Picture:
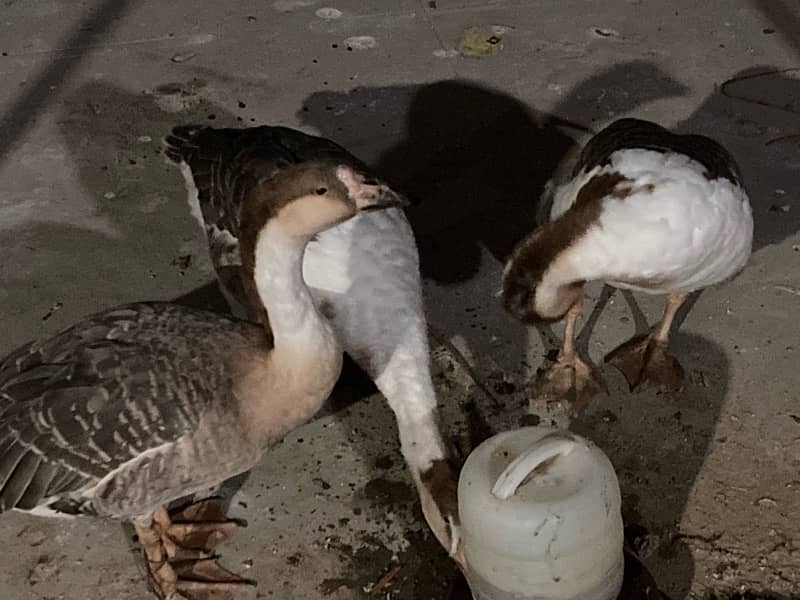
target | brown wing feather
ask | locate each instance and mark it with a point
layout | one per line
(80, 404)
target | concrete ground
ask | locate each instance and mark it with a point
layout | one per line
(90, 216)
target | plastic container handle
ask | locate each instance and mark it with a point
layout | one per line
(557, 444)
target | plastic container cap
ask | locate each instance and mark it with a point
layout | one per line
(541, 518)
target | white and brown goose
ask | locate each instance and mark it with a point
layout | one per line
(363, 273)
(639, 208)
(135, 407)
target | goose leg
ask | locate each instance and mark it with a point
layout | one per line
(646, 357)
(569, 380)
(179, 558)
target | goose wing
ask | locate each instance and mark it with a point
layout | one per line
(81, 404)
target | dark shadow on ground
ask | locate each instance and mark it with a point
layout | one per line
(98, 24)
(784, 17)
(477, 158)
(756, 115)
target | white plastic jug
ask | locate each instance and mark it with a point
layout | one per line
(541, 518)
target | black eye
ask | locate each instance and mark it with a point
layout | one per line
(321, 191)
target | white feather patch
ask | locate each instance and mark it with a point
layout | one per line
(685, 234)
(193, 198)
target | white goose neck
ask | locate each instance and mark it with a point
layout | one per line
(279, 280)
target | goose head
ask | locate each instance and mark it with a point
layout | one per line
(307, 198)
(282, 211)
(523, 293)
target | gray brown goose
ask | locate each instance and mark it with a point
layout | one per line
(143, 404)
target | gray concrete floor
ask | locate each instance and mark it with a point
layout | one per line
(90, 216)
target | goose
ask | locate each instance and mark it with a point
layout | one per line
(639, 208)
(363, 274)
(135, 407)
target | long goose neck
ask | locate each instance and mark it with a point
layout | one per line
(538, 282)
(278, 276)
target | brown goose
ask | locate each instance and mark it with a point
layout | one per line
(643, 209)
(144, 404)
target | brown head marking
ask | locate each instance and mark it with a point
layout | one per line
(537, 252)
(267, 198)
(441, 480)
(306, 199)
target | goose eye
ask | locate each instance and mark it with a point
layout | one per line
(321, 191)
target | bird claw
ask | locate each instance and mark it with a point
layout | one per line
(643, 360)
(178, 548)
(570, 382)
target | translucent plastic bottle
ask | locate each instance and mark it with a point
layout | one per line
(541, 518)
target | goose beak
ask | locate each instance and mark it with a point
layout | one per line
(369, 193)
(385, 198)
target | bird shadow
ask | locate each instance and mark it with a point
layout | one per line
(658, 443)
(476, 157)
(98, 25)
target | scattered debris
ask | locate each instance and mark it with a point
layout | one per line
(332, 584)
(743, 595)
(109, 195)
(479, 42)
(360, 42)
(45, 569)
(780, 208)
(500, 30)
(644, 542)
(698, 378)
(322, 483)
(182, 57)
(789, 290)
(183, 262)
(53, 310)
(504, 388)
(608, 416)
(604, 32)
(143, 139)
(329, 13)
(384, 581)
(289, 5)
(442, 53)
(766, 501)
(33, 537)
